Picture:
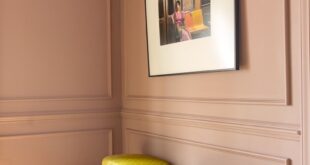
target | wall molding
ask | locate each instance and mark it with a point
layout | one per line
(262, 101)
(59, 112)
(257, 128)
(107, 96)
(45, 105)
(288, 67)
(108, 130)
(45, 124)
(57, 107)
(305, 28)
(277, 159)
(214, 100)
(78, 115)
(57, 99)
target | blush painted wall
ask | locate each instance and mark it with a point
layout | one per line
(60, 88)
(257, 115)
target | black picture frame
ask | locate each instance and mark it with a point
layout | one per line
(236, 55)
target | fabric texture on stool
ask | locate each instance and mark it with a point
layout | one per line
(132, 160)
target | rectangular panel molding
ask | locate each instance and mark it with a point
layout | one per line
(47, 124)
(60, 89)
(283, 22)
(263, 129)
(63, 148)
(233, 156)
(69, 47)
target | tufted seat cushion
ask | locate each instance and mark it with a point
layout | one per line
(132, 160)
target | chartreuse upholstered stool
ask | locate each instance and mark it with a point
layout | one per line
(132, 160)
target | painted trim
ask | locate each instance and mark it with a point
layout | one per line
(262, 129)
(286, 100)
(305, 12)
(250, 154)
(107, 96)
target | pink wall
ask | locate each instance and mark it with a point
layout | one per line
(61, 88)
(60, 93)
(252, 116)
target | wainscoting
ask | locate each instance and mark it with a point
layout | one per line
(58, 139)
(74, 88)
(60, 86)
(208, 141)
(196, 152)
(257, 115)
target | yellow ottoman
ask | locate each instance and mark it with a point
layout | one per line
(132, 160)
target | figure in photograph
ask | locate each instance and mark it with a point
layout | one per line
(183, 20)
(183, 33)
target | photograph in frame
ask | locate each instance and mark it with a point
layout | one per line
(188, 36)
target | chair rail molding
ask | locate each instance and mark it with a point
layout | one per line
(264, 129)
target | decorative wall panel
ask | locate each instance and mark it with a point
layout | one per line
(263, 103)
(58, 62)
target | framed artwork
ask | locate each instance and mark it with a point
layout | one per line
(189, 36)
